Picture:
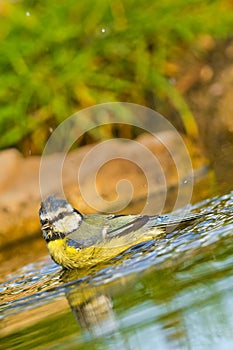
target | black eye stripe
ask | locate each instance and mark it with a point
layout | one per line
(58, 217)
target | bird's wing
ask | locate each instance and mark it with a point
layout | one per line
(126, 225)
(133, 223)
(99, 228)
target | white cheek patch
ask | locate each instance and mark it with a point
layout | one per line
(68, 223)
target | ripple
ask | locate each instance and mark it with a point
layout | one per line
(39, 283)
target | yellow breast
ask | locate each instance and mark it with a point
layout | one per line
(71, 258)
(61, 253)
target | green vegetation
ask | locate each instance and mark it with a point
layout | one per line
(59, 57)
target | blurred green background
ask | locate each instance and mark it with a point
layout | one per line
(59, 57)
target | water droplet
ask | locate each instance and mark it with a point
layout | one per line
(28, 14)
(103, 30)
(51, 130)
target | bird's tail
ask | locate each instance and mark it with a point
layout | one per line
(177, 222)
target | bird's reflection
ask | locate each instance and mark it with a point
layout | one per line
(94, 314)
(92, 306)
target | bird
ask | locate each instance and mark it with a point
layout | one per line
(78, 241)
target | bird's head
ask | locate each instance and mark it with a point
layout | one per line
(58, 218)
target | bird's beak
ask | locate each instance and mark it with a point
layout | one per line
(47, 231)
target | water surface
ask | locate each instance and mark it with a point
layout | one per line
(172, 293)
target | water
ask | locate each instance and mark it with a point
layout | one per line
(174, 293)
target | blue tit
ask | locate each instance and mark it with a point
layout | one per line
(78, 241)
